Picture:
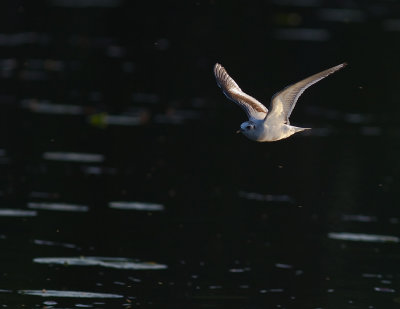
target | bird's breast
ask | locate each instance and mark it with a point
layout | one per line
(275, 133)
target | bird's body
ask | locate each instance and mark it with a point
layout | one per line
(268, 132)
(264, 125)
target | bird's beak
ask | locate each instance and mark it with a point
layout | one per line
(238, 131)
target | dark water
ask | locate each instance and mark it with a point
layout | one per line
(123, 185)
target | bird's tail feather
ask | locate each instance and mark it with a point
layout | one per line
(298, 129)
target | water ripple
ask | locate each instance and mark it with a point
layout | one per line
(46, 107)
(6, 212)
(74, 294)
(73, 156)
(41, 242)
(363, 237)
(103, 119)
(110, 262)
(266, 197)
(59, 207)
(136, 206)
(384, 290)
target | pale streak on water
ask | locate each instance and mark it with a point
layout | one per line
(11, 212)
(103, 120)
(50, 243)
(46, 107)
(73, 294)
(239, 270)
(282, 198)
(143, 206)
(123, 120)
(98, 170)
(74, 157)
(58, 207)
(283, 266)
(364, 237)
(108, 262)
(359, 218)
(384, 290)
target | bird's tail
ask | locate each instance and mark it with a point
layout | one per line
(298, 129)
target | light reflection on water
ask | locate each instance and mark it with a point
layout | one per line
(8, 212)
(359, 218)
(364, 237)
(266, 197)
(98, 170)
(109, 262)
(47, 107)
(58, 207)
(136, 206)
(74, 294)
(53, 243)
(384, 290)
(102, 120)
(73, 157)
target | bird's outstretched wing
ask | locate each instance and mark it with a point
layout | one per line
(253, 108)
(283, 102)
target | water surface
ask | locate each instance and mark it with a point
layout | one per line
(123, 184)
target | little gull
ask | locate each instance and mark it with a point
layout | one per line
(264, 125)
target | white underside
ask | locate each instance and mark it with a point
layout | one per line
(270, 133)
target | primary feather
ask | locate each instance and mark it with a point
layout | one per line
(253, 108)
(283, 102)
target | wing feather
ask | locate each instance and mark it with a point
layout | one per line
(283, 102)
(253, 108)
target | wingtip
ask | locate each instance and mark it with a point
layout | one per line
(217, 66)
(219, 71)
(339, 67)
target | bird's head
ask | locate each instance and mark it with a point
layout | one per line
(248, 129)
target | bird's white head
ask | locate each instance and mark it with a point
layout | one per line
(249, 129)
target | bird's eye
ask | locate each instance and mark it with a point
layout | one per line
(249, 127)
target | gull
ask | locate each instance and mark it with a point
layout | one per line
(264, 125)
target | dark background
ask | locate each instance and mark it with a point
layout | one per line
(245, 225)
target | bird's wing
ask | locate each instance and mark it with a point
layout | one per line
(283, 102)
(253, 108)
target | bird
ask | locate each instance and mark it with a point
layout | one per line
(264, 125)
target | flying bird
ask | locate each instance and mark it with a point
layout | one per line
(264, 125)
